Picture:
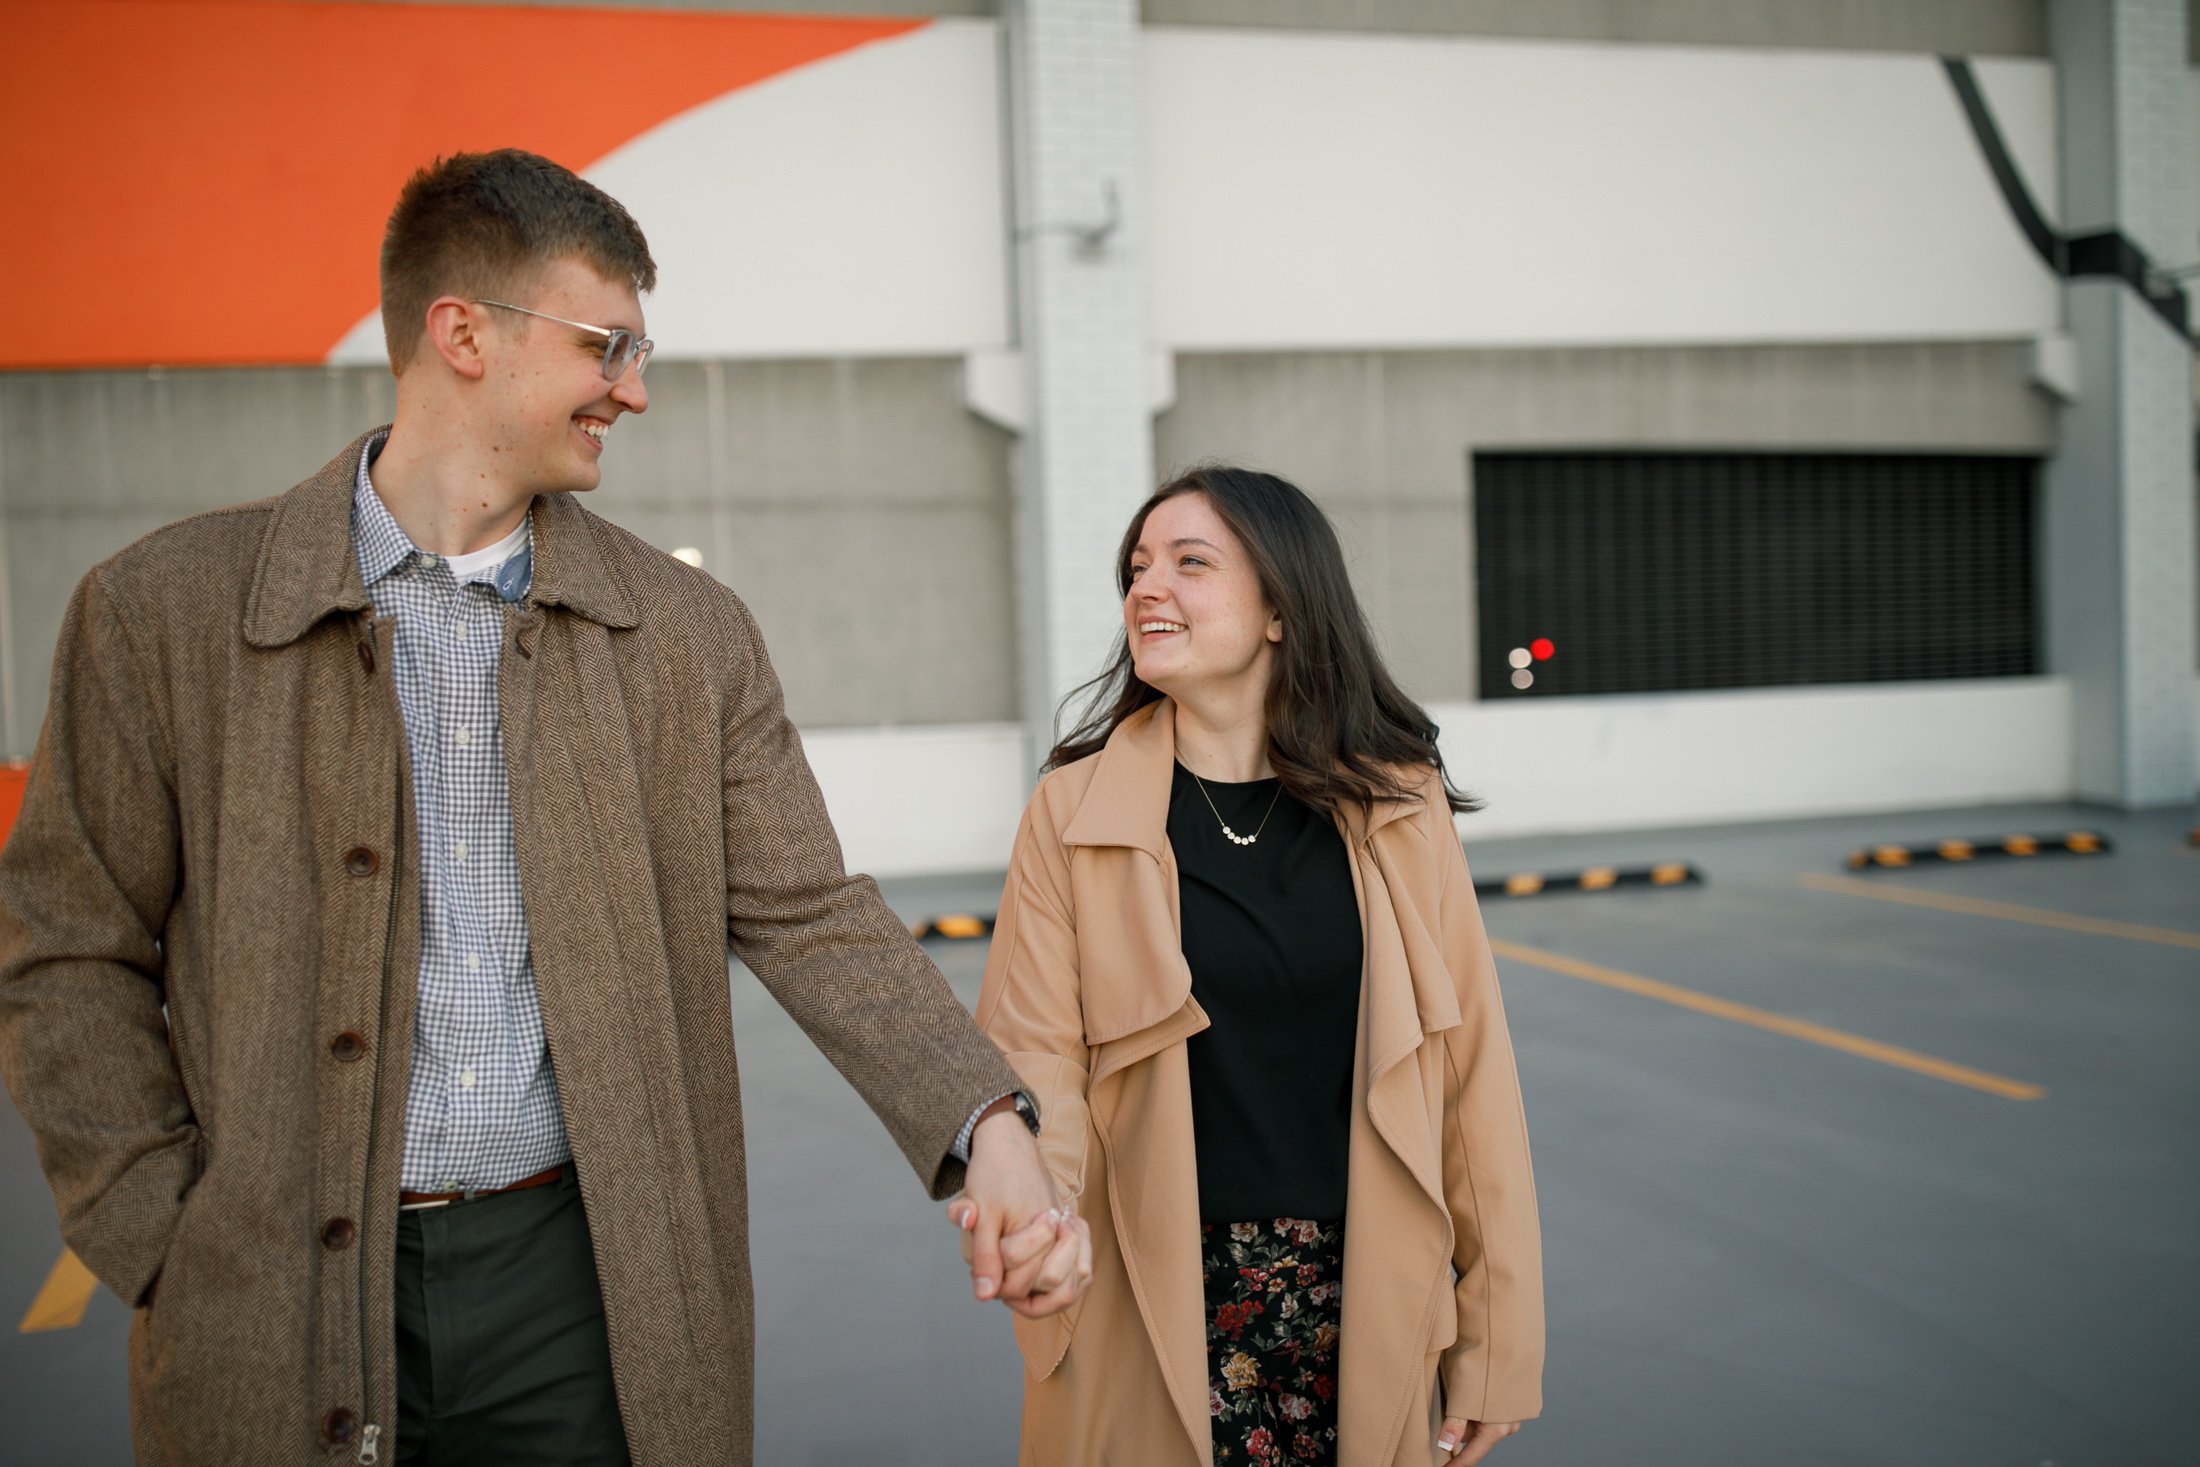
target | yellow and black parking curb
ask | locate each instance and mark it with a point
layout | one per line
(2075, 843)
(958, 925)
(1595, 878)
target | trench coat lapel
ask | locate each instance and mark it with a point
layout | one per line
(1145, 981)
(1397, 1270)
(1138, 1005)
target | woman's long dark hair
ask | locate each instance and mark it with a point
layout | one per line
(1339, 728)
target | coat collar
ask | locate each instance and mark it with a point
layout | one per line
(1138, 990)
(308, 569)
(1127, 803)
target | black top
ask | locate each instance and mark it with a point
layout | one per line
(1272, 934)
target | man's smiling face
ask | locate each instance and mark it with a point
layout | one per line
(548, 405)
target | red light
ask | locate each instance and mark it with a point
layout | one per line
(1542, 648)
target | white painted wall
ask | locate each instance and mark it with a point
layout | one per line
(913, 801)
(1579, 764)
(2022, 96)
(851, 207)
(1330, 190)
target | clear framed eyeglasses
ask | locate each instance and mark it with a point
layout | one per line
(620, 346)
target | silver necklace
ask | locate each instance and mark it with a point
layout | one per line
(1243, 840)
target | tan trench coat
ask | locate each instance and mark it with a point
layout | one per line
(219, 819)
(1088, 992)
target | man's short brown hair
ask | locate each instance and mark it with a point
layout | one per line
(476, 224)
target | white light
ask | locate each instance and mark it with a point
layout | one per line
(689, 555)
(1523, 679)
(1520, 657)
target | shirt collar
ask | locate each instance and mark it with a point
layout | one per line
(383, 546)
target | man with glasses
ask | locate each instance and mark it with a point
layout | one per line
(363, 935)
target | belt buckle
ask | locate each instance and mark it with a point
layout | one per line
(465, 1194)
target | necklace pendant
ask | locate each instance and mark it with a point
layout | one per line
(1234, 837)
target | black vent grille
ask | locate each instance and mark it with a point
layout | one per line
(1659, 572)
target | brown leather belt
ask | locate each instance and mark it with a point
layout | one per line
(410, 1200)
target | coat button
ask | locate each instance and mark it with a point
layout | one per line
(347, 1046)
(361, 861)
(337, 1233)
(339, 1425)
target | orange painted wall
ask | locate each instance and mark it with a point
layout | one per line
(204, 182)
(11, 796)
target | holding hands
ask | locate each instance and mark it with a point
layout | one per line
(1023, 1245)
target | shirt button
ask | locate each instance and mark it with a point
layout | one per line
(473, 962)
(464, 738)
(466, 1079)
(427, 561)
(459, 631)
(460, 849)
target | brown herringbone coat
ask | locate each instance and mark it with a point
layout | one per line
(1087, 990)
(219, 820)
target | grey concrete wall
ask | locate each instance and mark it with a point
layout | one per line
(859, 509)
(1941, 27)
(2120, 512)
(1384, 440)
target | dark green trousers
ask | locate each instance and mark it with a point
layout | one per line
(501, 1350)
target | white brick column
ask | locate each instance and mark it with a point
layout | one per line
(2119, 513)
(1076, 128)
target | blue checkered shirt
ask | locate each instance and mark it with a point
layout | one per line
(481, 1109)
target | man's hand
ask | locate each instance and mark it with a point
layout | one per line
(1467, 1450)
(1022, 1245)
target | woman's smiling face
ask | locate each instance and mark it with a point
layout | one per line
(1195, 615)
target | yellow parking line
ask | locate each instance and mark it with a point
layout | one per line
(2006, 911)
(1742, 1013)
(60, 1305)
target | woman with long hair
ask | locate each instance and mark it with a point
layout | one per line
(1239, 964)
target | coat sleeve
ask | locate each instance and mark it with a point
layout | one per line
(1493, 1371)
(827, 946)
(1031, 1007)
(86, 883)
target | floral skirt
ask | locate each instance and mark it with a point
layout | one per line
(1273, 1306)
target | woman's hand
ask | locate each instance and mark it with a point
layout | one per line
(1047, 1263)
(1463, 1450)
(1062, 1275)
